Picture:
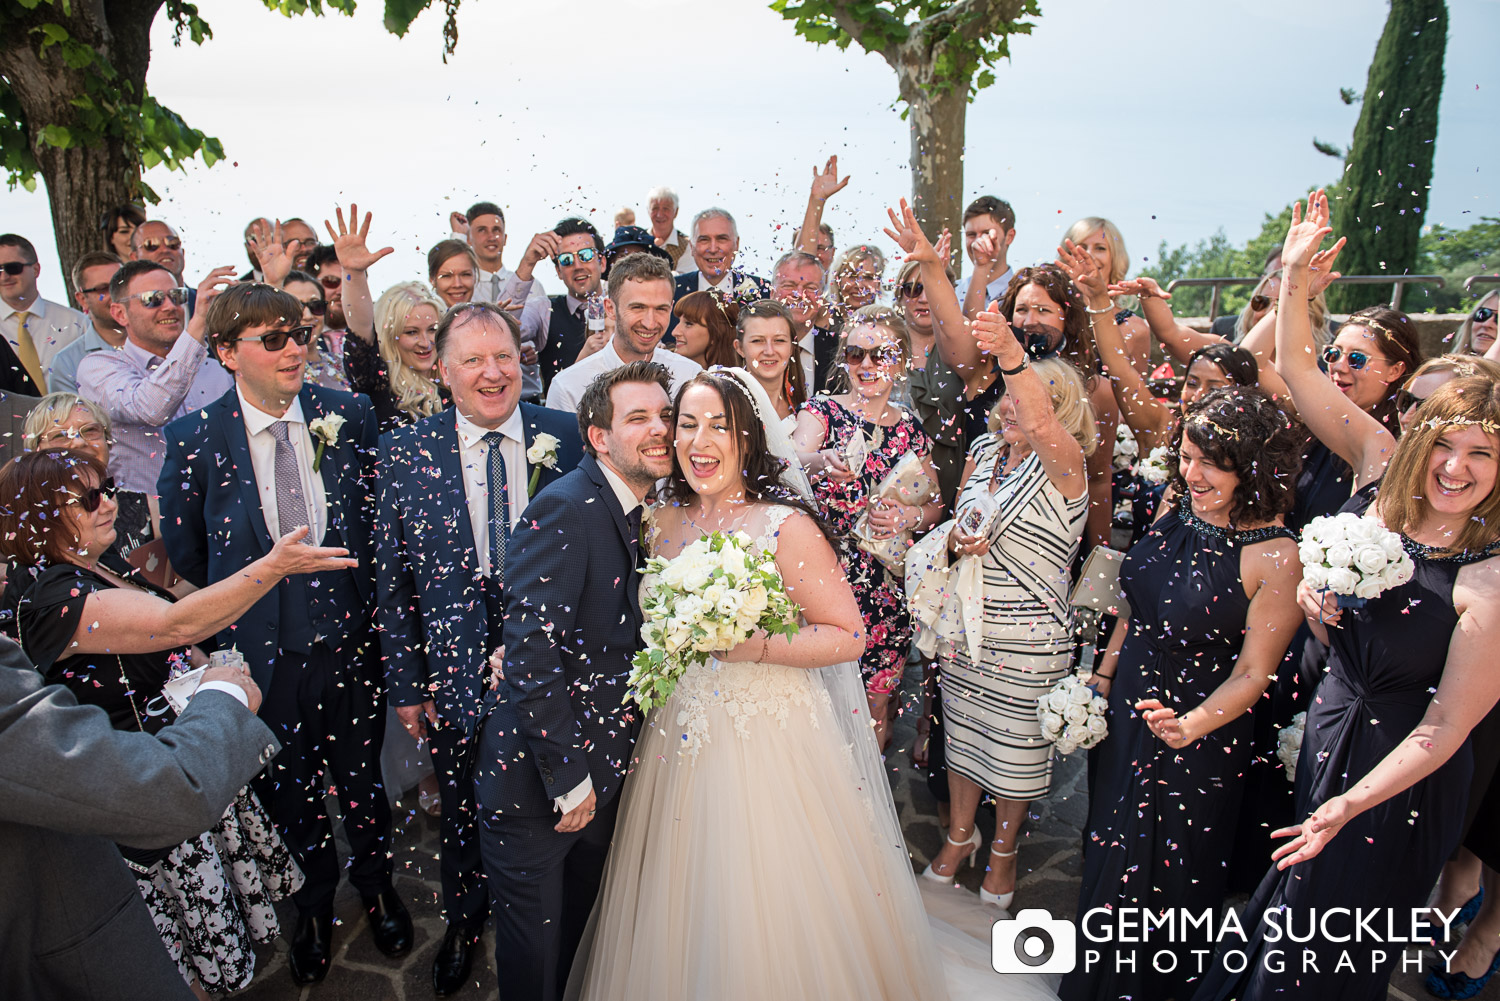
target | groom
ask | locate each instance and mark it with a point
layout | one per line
(560, 738)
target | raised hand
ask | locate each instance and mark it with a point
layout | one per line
(826, 183)
(1312, 835)
(944, 246)
(996, 338)
(1081, 267)
(1142, 288)
(349, 241)
(458, 223)
(543, 246)
(910, 238)
(274, 255)
(1305, 235)
(215, 282)
(1321, 266)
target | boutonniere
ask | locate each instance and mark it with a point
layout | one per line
(543, 452)
(326, 430)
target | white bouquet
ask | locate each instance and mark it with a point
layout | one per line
(1356, 558)
(711, 596)
(1289, 744)
(1156, 467)
(1072, 716)
(1126, 447)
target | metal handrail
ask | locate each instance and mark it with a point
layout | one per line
(1398, 285)
(1473, 280)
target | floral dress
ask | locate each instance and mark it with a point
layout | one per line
(881, 594)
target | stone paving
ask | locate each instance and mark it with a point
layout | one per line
(1049, 865)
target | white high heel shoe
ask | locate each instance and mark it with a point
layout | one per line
(1000, 900)
(973, 843)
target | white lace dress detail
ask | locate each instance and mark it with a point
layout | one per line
(741, 690)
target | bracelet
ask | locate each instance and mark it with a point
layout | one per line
(1025, 364)
(1099, 674)
(1107, 309)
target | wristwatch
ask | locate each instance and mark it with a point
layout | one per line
(1025, 364)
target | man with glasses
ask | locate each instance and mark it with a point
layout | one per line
(323, 264)
(272, 456)
(579, 261)
(35, 329)
(91, 276)
(159, 374)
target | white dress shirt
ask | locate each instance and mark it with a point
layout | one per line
(629, 502)
(52, 327)
(993, 292)
(263, 461)
(568, 385)
(474, 457)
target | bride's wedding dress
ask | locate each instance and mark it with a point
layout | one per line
(748, 861)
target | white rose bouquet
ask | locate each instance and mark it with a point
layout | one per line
(1289, 744)
(1356, 558)
(1072, 716)
(1156, 467)
(1127, 449)
(711, 596)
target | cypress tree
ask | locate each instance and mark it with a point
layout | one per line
(1380, 201)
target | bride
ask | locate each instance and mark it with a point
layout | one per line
(758, 854)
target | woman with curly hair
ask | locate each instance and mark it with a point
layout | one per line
(1212, 590)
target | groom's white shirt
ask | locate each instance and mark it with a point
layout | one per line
(628, 503)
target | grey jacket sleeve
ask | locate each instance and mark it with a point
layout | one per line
(64, 767)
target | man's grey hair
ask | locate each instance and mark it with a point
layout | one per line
(663, 193)
(715, 213)
(797, 257)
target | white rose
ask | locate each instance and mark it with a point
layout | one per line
(1310, 553)
(1340, 554)
(1100, 705)
(543, 450)
(1315, 575)
(1369, 558)
(697, 576)
(1057, 701)
(1400, 572)
(1076, 714)
(728, 604)
(1369, 587)
(756, 600)
(1052, 723)
(1079, 694)
(1075, 734)
(327, 427)
(679, 634)
(1341, 580)
(1368, 530)
(1390, 542)
(1096, 726)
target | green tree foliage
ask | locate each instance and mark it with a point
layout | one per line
(1380, 200)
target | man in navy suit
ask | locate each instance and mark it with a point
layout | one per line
(268, 457)
(716, 241)
(440, 549)
(559, 739)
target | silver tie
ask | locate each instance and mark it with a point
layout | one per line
(292, 508)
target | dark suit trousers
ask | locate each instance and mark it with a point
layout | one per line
(331, 724)
(543, 885)
(465, 899)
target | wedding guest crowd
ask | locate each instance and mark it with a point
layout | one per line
(336, 484)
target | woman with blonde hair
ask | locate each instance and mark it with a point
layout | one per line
(855, 280)
(1101, 240)
(392, 357)
(1476, 335)
(1030, 471)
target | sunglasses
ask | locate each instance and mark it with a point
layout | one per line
(566, 259)
(1260, 303)
(14, 267)
(91, 498)
(883, 355)
(155, 298)
(911, 290)
(99, 290)
(1406, 400)
(317, 307)
(152, 246)
(275, 340)
(1357, 359)
(331, 282)
(1483, 314)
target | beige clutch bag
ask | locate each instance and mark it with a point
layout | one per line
(1098, 586)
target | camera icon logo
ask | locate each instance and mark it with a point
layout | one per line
(1033, 942)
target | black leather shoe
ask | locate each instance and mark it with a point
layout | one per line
(312, 947)
(455, 957)
(390, 925)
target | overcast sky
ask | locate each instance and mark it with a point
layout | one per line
(1171, 117)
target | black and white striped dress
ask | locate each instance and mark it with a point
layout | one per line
(989, 708)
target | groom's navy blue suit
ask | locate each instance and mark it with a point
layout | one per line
(572, 622)
(436, 630)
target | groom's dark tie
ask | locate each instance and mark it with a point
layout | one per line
(633, 527)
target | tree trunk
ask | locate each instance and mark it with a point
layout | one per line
(83, 181)
(936, 121)
(1380, 203)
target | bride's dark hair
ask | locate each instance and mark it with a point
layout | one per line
(760, 472)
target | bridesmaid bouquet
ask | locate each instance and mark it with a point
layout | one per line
(1356, 558)
(1072, 716)
(1289, 744)
(711, 596)
(1127, 449)
(1156, 467)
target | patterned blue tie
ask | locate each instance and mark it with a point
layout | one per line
(499, 489)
